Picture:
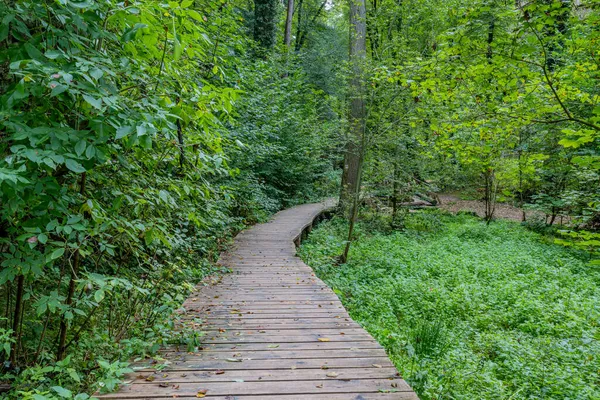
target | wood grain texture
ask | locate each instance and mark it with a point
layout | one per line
(269, 330)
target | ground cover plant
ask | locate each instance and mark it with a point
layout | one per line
(469, 311)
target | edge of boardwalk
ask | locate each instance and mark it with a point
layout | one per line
(272, 330)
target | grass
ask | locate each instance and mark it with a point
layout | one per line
(469, 311)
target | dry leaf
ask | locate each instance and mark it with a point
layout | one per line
(233, 360)
(324, 339)
(219, 372)
(163, 384)
(294, 367)
(320, 386)
(332, 375)
(201, 393)
(150, 378)
(376, 365)
(273, 346)
(324, 367)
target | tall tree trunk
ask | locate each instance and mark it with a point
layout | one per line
(287, 39)
(17, 316)
(355, 147)
(298, 26)
(181, 145)
(357, 110)
(265, 21)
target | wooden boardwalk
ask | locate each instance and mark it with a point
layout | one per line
(273, 330)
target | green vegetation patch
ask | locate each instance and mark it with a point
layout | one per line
(469, 311)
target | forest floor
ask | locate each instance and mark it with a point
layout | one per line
(454, 203)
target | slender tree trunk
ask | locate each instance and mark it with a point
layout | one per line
(181, 145)
(287, 39)
(64, 325)
(357, 110)
(17, 318)
(356, 146)
(299, 26)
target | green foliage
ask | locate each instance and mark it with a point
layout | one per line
(468, 310)
(138, 137)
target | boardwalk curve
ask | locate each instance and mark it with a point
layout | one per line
(273, 330)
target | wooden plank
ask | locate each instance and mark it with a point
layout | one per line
(278, 346)
(276, 354)
(260, 375)
(298, 363)
(319, 387)
(330, 396)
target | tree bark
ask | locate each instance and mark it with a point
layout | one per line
(17, 316)
(287, 39)
(355, 147)
(357, 109)
(299, 26)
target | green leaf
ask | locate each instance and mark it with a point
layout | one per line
(123, 131)
(96, 103)
(80, 147)
(90, 151)
(53, 54)
(57, 253)
(196, 15)
(42, 238)
(74, 166)
(62, 392)
(99, 295)
(33, 52)
(130, 33)
(58, 89)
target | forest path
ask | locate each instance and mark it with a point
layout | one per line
(273, 330)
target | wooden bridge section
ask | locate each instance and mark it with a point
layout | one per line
(272, 330)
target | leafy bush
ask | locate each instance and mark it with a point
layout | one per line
(132, 151)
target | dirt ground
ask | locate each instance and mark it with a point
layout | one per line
(453, 203)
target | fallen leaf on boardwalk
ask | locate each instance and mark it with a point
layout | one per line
(238, 380)
(176, 387)
(294, 367)
(376, 365)
(320, 386)
(324, 339)
(273, 346)
(233, 360)
(162, 384)
(394, 384)
(332, 375)
(324, 367)
(201, 393)
(222, 330)
(150, 378)
(219, 372)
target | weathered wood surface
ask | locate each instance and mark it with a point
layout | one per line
(271, 330)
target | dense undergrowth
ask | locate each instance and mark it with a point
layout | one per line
(136, 138)
(469, 311)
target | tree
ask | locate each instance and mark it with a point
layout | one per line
(287, 38)
(355, 145)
